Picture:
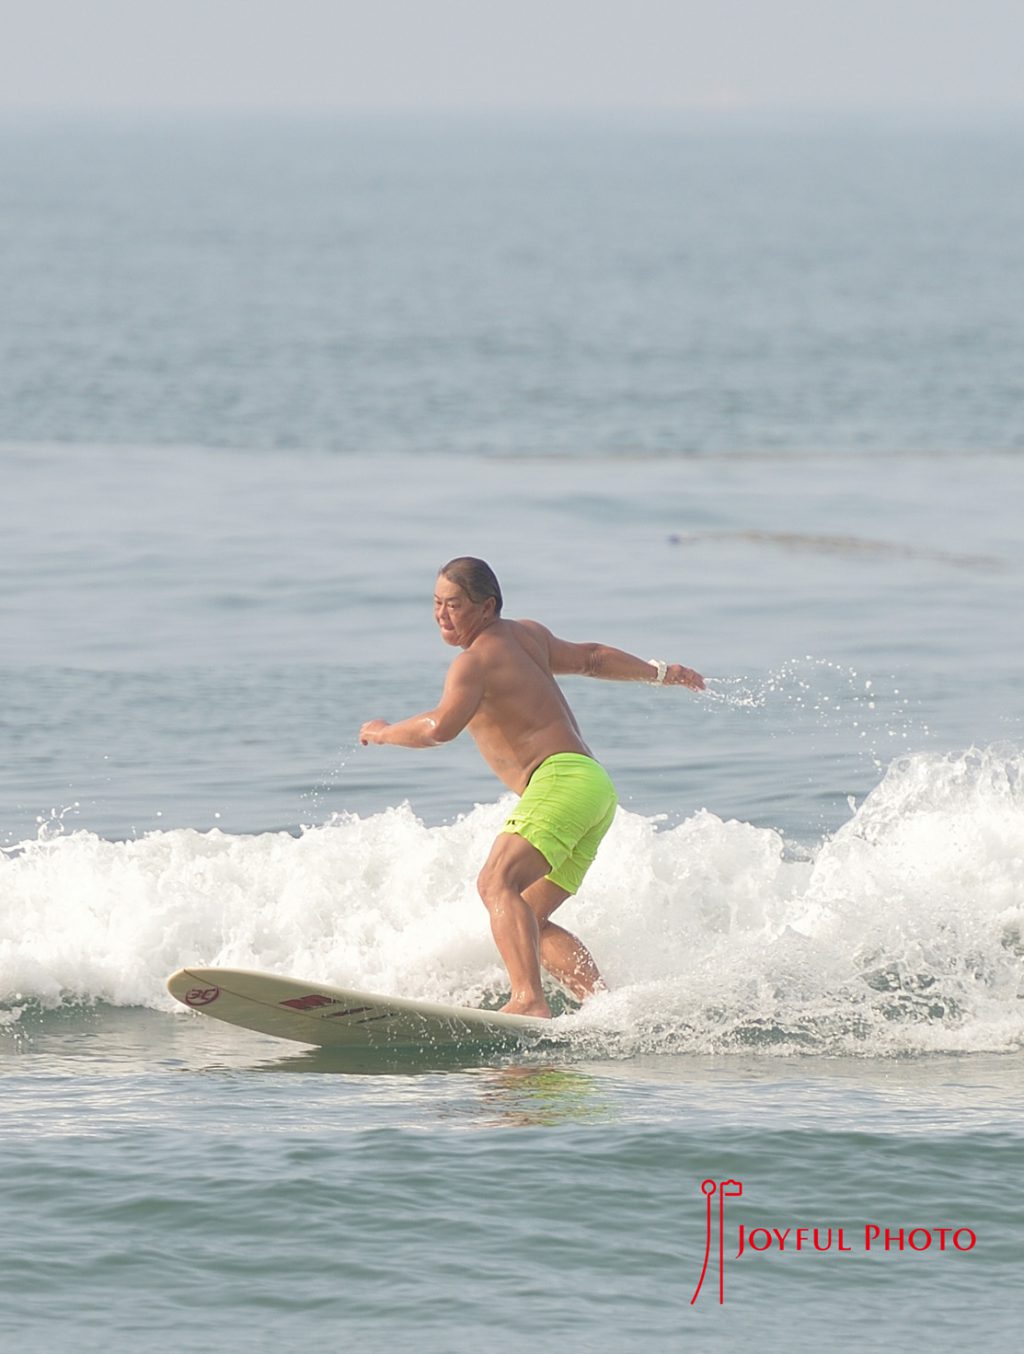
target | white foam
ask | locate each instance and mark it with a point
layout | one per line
(903, 933)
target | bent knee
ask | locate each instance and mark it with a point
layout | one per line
(483, 884)
(491, 883)
(496, 881)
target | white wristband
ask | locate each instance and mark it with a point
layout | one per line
(662, 667)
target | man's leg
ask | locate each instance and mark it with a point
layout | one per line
(511, 868)
(523, 932)
(564, 955)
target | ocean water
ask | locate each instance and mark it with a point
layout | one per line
(742, 396)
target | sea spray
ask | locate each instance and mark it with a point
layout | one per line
(830, 698)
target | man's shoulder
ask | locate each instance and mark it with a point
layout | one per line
(506, 637)
(518, 630)
(532, 628)
(503, 628)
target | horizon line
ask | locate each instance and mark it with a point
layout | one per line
(714, 108)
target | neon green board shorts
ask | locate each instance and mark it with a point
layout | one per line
(565, 810)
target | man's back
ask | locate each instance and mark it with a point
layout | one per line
(523, 717)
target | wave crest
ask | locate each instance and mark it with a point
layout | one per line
(902, 933)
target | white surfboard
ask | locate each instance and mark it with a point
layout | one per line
(337, 1017)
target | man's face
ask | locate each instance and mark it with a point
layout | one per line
(458, 618)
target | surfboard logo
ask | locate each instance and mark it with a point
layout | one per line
(309, 1002)
(201, 996)
(313, 1001)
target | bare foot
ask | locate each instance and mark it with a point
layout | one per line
(523, 1006)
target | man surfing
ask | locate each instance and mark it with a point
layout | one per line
(502, 688)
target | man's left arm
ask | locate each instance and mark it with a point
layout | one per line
(615, 665)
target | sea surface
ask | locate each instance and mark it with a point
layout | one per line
(742, 395)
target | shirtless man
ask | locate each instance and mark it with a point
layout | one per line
(502, 688)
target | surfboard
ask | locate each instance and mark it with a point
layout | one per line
(338, 1017)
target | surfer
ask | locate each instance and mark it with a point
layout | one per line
(502, 688)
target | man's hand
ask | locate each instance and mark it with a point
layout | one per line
(677, 675)
(372, 730)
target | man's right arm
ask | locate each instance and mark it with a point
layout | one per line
(463, 692)
(610, 664)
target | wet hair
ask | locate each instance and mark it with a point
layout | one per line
(475, 578)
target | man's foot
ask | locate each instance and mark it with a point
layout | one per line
(524, 1006)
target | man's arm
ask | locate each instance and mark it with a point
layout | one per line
(463, 692)
(601, 660)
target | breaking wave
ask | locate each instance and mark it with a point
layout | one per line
(901, 933)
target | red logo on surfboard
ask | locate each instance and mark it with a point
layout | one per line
(310, 1002)
(201, 996)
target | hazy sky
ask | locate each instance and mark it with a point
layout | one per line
(433, 54)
